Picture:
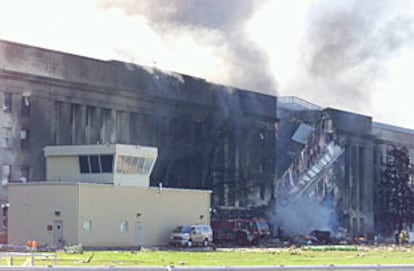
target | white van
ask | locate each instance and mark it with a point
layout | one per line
(189, 235)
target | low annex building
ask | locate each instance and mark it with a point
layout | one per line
(99, 196)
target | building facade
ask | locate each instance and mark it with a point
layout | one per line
(208, 136)
(246, 147)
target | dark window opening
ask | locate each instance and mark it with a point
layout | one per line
(7, 137)
(262, 191)
(94, 164)
(84, 164)
(24, 138)
(107, 163)
(24, 174)
(7, 105)
(25, 106)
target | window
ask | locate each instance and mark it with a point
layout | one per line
(133, 165)
(106, 163)
(25, 106)
(6, 173)
(262, 165)
(84, 164)
(123, 227)
(262, 191)
(96, 163)
(94, 160)
(24, 138)
(24, 174)
(6, 142)
(7, 103)
(87, 226)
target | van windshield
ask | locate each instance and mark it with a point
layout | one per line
(182, 229)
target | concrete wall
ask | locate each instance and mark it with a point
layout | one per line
(64, 168)
(158, 213)
(92, 214)
(33, 207)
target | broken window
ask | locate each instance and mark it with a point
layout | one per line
(7, 103)
(25, 106)
(6, 142)
(24, 138)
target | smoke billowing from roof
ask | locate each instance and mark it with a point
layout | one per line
(215, 23)
(348, 44)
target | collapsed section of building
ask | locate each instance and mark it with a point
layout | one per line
(331, 179)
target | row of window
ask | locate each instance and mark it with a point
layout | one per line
(87, 226)
(104, 164)
(96, 163)
(8, 104)
(7, 138)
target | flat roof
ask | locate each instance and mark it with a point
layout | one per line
(393, 128)
(73, 150)
(63, 183)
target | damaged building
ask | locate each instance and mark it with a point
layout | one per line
(334, 159)
(251, 149)
(209, 136)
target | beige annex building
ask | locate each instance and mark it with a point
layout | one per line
(99, 196)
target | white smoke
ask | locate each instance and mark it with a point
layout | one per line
(303, 216)
(348, 50)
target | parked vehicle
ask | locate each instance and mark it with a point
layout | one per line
(241, 231)
(189, 235)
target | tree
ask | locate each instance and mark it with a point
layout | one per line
(396, 196)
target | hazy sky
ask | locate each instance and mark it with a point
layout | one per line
(355, 55)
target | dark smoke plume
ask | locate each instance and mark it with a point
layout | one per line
(348, 43)
(215, 23)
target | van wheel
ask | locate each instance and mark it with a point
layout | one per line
(189, 243)
(205, 243)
